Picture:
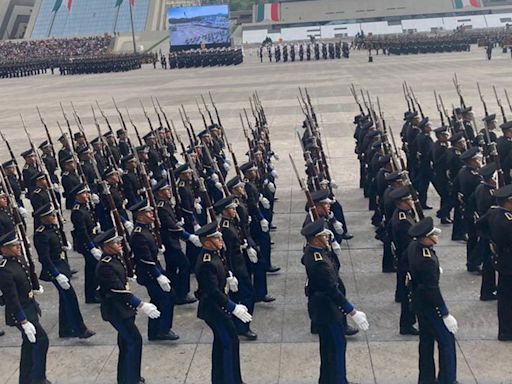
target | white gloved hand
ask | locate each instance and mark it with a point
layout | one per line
(264, 202)
(244, 245)
(39, 291)
(150, 173)
(150, 310)
(96, 252)
(451, 324)
(161, 249)
(276, 156)
(232, 282)
(194, 239)
(181, 223)
(252, 254)
(218, 185)
(242, 313)
(164, 174)
(153, 182)
(164, 283)
(196, 227)
(336, 248)
(227, 161)
(264, 225)
(226, 166)
(361, 320)
(338, 227)
(133, 279)
(97, 228)
(95, 199)
(128, 225)
(215, 177)
(141, 191)
(67, 247)
(56, 187)
(120, 171)
(198, 207)
(125, 201)
(333, 184)
(440, 270)
(271, 187)
(23, 212)
(63, 281)
(274, 174)
(30, 331)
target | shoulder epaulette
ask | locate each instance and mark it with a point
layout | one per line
(426, 252)
(40, 229)
(402, 216)
(37, 190)
(26, 166)
(137, 229)
(65, 173)
(107, 259)
(76, 207)
(160, 204)
(3, 263)
(508, 215)
(181, 184)
(225, 223)
(207, 257)
(317, 256)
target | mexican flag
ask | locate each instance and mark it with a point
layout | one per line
(119, 2)
(58, 3)
(458, 4)
(269, 11)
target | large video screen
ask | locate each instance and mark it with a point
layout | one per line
(192, 27)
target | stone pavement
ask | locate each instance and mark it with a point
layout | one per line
(285, 352)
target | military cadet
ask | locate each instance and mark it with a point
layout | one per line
(114, 196)
(327, 304)
(49, 161)
(22, 310)
(86, 165)
(491, 124)
(483, 200)
(465, 184)
(401, 221)
(154, 159)
(150, 273)
(412, 148)
(10, 171)
(29, 170)
(84, 229)
(215, 307)
(112, 148)
(41, 195)
(132, 185)
(65, 151)
(504, 147)
(467, 119)
(123, 142)
(435, 321)
(458, 146)
(498, 225)
(308, 52)
(440, 178)
(424, 146)
(53, 257)
(98, 152)
(177, 265)
(70, 179)
(119, 307)
(7, 222)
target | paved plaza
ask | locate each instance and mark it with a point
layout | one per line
(285, 351)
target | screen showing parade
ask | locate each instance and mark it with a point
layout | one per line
(197, 26)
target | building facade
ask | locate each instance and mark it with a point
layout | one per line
(14, 18)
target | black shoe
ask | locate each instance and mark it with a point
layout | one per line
(491, 297)
(351, 331)
(93, 301)
(475, 271)
(272, 243)
(170, 336)
(427, 208)
(347, 236)
(44, 381)
(460, 238)
(249, 335)
(273, 268)
(86, 334)
(141, 380)
(446, 220)
(188, 299)
(74, 271)
(505, 337)
(388, 270)
(272, 226)
(2, 332)
(266, 299)
(409, 331)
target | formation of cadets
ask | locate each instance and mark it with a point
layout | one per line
(139, 215)
(194, 58)
(469, 165)
(303, 51)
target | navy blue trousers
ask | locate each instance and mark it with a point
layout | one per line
(71, 322)
(333, 347)
(177, 269)
(164, 301)
(129, 342)
(33, 356)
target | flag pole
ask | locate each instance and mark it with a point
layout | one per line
(116, 19)
(51, 23)
(133, 29)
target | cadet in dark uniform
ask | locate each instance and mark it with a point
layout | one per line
(123, 142)
(435, 321)
(70, 179)
(65, 151)
(40, 195)
(150, 273)
(55, 268)
(7, 223)
(84, 229)
(504, 147)
(22, 311)
(132, 185)
(458, 143)
(424, 145)
(119, 307)
(440, 178)
(29, 170)
(327, 305)
(498, 224)
(215, 307)
(10, 172)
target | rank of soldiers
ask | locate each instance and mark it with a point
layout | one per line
(195, 58)
(139, 215)
(303, 51)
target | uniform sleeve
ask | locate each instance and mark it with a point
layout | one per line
(252, 201)
(142, 254)
(80, 228)
(10, 295)
(43, 251)
(210, 284)
(171, 225)
(431, 286)
(110, 281)
(324, 282)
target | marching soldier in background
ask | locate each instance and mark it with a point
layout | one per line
(440, 178)
(215, 307)
(150, 273)
(65, 151)
(123, 142)
(40, 196)
(112, 148)
(49, 161)
(29, 171)
(22, 310)
(70, 179)
(424, 145)
(458, 146)
(119, 307)
(52, 254)
(132, 185)
(10, 171)
(504, 146)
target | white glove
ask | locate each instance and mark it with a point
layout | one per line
(215, 177)
(164, 174)
(153, 182)
(333, 184)
(125, 201)
(196, 227)
(30, 331)
(67, 247)
(226, 166)
(164, 283)
(276, 156)
(23, 212)
(150, 310)
(63, 281)
(181, 223)
(128, 225)
(338, 227)
(264, 225)
(361, 320)
(232, 282)
(141, 191)
(271, 187)
(96, 252)
(39, 291)
(133, 279)
(274, 174)
(198, 207)
(150, 173)
(56, 187)
(194, 239)
(252, 254)
(242, 313)
(264, 202)
(440, 270)
(97, 228)
(336, 248)
(95, 199)
(218, 185)
(244, 245)
(451, 324)
(161, 249)
(120, 171)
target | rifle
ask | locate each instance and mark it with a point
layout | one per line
(417, 102)
(134, 127)
(216, 110)
(105, 118)
(202, 115)
(48, 136)
(441, 116)
(11, 153)
(156, 111)
(405, 96)
(445, 112)
(508, 100)
(457, 88)
(77, 117)
(207, 110)
(482, 99)
(256, 117)
(498, 100)
(302, 184)
(191, 139)
(190, 124)
(20, 227)
(356, 99)
(69, 128)
(249, 142)
(106, 148)
(166, 120)
(121, 118)
(147, 116)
